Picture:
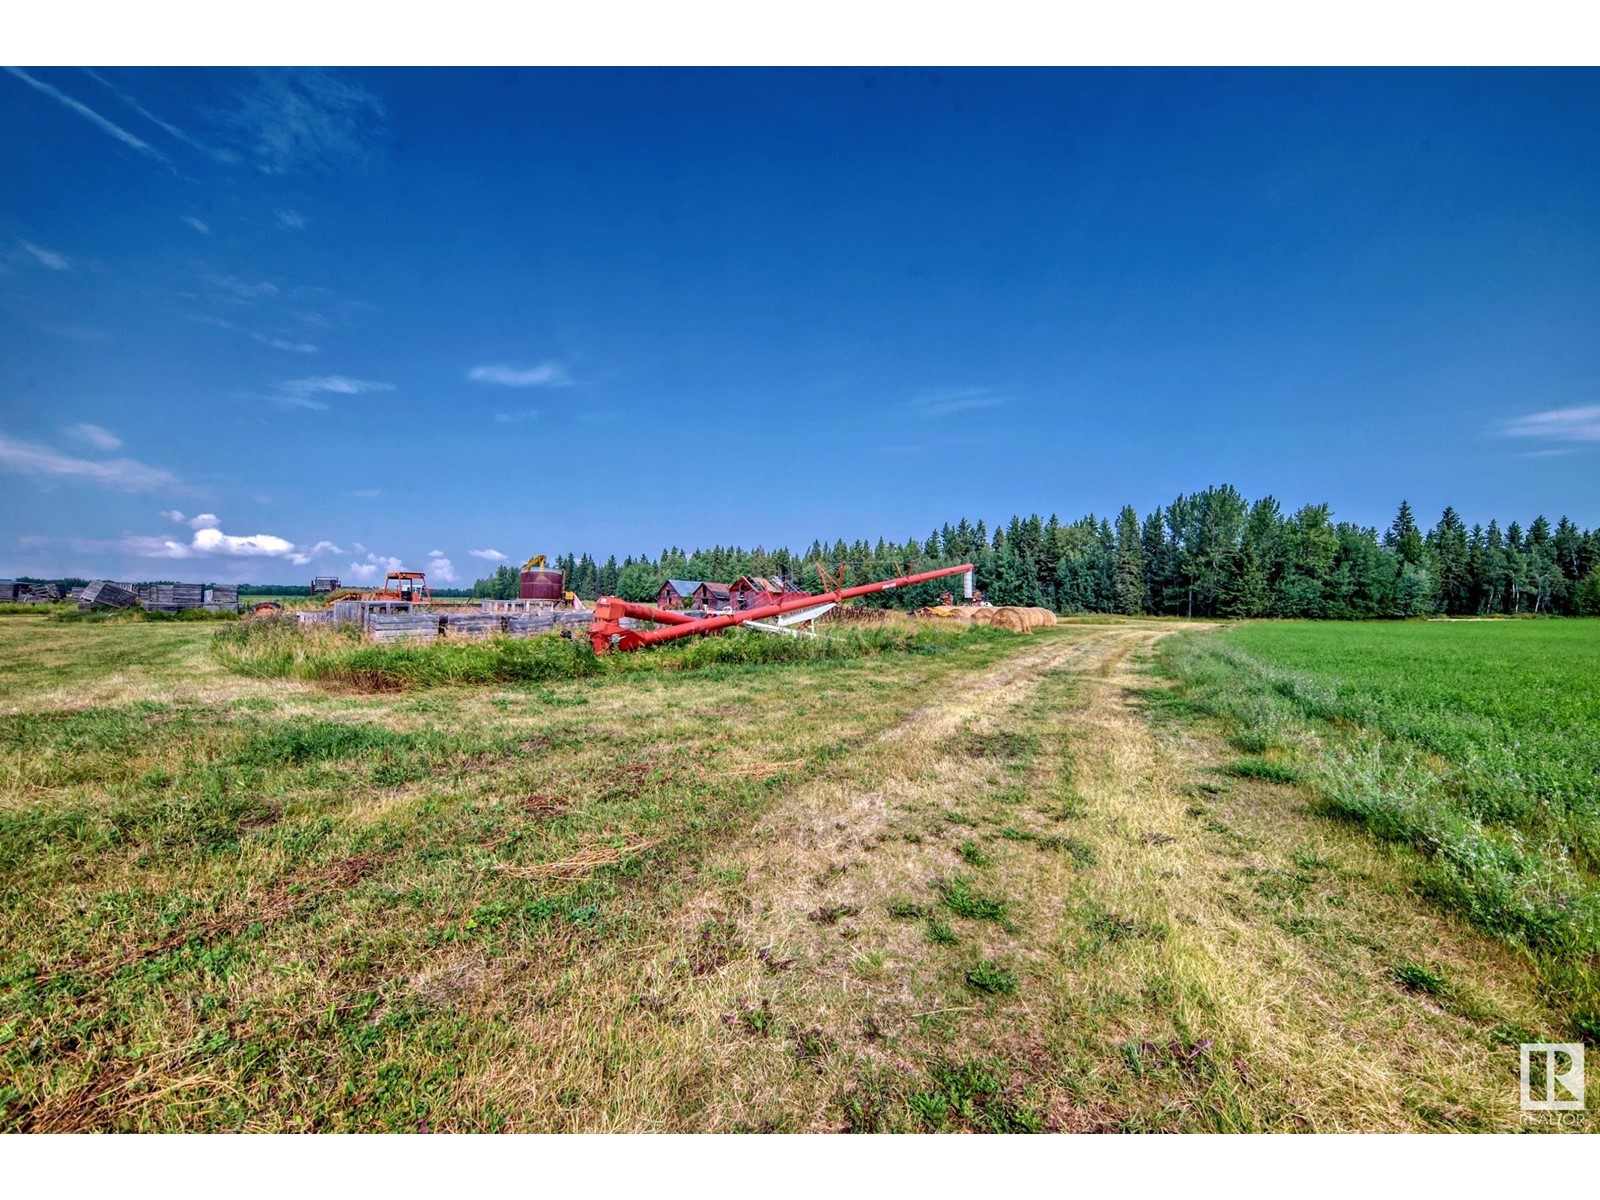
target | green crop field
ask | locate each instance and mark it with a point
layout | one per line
(1120, 875)
(1475, 743)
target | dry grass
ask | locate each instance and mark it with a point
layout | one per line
(585, 862)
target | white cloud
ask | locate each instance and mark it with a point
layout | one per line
(491, 555)
(516, 418)
(374, 569)
(208, 541)
(83, 110)
(95, 435)
(1559, 424)
(173, 515)
(48, 258)
(440, 568)
(212, 540)
(303, 393)
(196, 223)
(287, 218)
(545, 374)
(942, 402)
(124, 474)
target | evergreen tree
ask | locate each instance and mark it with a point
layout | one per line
(1452, 575)
(1586, 596)
(1129, 576)
(1204, 554)
(1243, 591)
(1403, 537)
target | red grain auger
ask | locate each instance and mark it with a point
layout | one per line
(608, 633)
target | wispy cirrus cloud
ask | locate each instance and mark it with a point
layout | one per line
(289, 219)
(196, 223)
(306, 120)
(89, 114)
(167, 126)
(241, 291)
(516, 418)
(1580, 424)
(97, 436)
(122, 474)
(46, 258)
(277, 343)
(943, 402)
(303, 393)
(545, 374)
(489, 555)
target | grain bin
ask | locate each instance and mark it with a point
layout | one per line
(542, 583)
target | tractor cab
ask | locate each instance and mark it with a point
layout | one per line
(410, 586)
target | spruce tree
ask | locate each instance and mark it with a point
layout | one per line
(1403, 537)
(1129, 576)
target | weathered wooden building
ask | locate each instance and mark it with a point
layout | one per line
(676, 593)
(713, 597)
(752, 591)
(108, 593)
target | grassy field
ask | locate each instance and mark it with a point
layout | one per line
(1475, 744)
(934, 882)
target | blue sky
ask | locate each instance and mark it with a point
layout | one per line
(255, 325)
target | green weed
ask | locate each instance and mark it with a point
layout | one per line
(992, 978)
(960, 898)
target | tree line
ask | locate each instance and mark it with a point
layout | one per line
(1207, 554)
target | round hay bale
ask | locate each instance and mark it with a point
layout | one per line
(983, 616)
(1014, 619)
(1046, 618)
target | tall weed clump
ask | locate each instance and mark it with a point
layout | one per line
(278, 648)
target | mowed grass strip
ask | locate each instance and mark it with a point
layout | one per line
(1134, 952)
(263, 906)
